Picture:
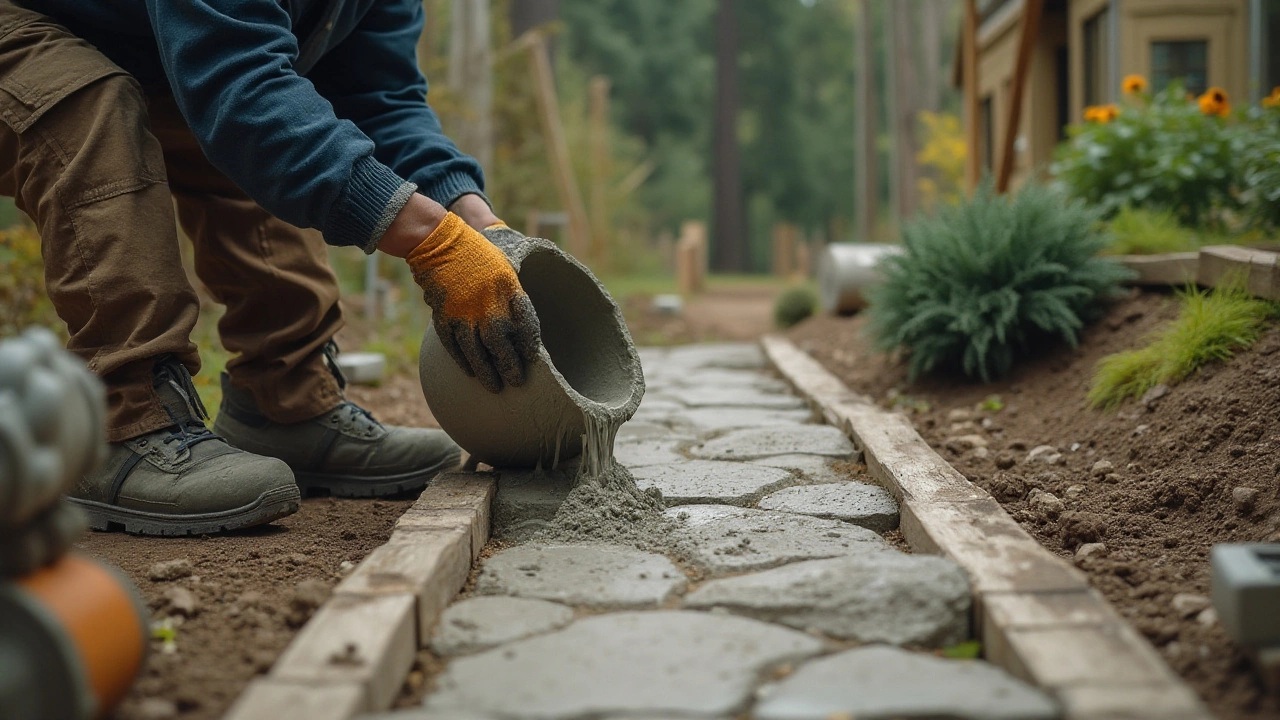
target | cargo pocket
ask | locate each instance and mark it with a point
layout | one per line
(41, 63)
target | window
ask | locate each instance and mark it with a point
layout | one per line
(1185, 60)
(987, 128)
(1097, 58)
(1270, 45)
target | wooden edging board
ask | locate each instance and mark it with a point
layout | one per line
(354, 654)
(1211, 266)
(1035, 613)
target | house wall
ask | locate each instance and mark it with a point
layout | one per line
(1223, 23)
(997, 58)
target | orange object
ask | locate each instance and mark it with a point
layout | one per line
(84, 630)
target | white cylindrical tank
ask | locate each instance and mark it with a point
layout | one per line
(846, 271)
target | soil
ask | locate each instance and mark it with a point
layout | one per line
(1157, 482)
(252, 590)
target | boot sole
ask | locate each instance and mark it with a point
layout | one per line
(357, 486)
(271, 505)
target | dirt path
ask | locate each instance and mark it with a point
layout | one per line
(1157, 483)
(722, 314)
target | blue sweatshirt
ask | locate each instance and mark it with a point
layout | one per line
(315, 108)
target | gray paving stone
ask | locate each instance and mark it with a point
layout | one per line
(755, 443)
(526, 500)
(888, 597)
(812, 468)
(643, 430)
(711, 481)
(638, 453)
(730, 540)
(661, 664)
(726, 356)
(710, 419)
(480, 623)
(712, 396)
(598, 576)
(870, 506)
(729, 379)
(879, 683)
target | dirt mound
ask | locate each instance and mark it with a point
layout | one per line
(1158, 482)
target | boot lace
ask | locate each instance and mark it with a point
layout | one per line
(190, 431)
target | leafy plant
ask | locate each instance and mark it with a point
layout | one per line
(1212, 326)
(1165, 154)
(984, 280)
(1260, 175)
(942, 156)
(1148, 232)
(23, 300)
(794, 305)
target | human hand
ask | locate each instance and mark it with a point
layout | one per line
(475, 211)
(482, 315)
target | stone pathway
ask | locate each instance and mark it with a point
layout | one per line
(788, 602)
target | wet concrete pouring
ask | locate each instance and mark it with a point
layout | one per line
(734, 563)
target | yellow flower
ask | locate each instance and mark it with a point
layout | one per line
(1272, 100)
(1214, 102)
(1134, 84)
(1101, 114)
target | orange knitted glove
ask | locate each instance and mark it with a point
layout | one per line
(483, 317)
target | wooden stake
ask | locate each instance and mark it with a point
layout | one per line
(1031, 13)
(600, 170)
(972, 114)
(553, 131)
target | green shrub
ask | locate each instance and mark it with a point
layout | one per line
(23, 300)
(1148, 232)
(1260, 174)
(793, 305)
(1164, 154)
(982, 281)
(1211, 326)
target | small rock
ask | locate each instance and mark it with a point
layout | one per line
(1088, 549)
(180, 601)
(1208, 617)
(959, 415)
(964, 443)
(1154, 394)
(1005, 460)
(1245, 499)
(308, 595)
(1141, 430)
(1046, 503)
(170, 570)
(981, 453)
(1114, 478)
(1188, 604)
(1046, 454)
(1073, 491)
(156, 709)
(345, 567)
(1102, 468)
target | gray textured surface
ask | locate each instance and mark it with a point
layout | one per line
(870, 506)
(812, 468)
(884, 683)
(480, 623)
(638, 453)
(663, 664)
(765, 442)
(704, 419)
(598, 576)
(727, 540)
(709, 481)
(889, 597)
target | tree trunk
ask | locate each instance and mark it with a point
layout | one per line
(729, 241)
(471, 77)
(933, 15)
(868, 179)
(906, 106)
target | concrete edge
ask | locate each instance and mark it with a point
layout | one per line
(1036, 614)
(354, 654)
(1176, 269)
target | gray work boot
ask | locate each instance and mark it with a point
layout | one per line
(344, 451)
(184, 480)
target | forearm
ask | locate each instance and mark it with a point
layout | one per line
(421, 216)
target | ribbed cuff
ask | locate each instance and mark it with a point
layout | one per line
(372, 198)
(447, 188)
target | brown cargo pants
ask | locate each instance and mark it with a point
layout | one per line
(97, 163)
